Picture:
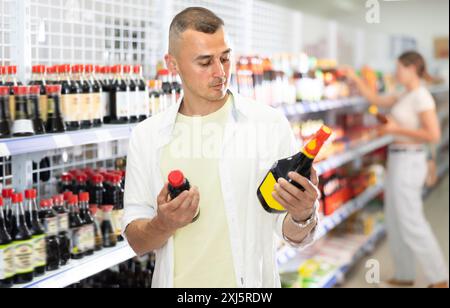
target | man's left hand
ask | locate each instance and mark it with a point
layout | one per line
(299, 204)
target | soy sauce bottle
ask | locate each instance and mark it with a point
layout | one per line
(76, 228)
(86, 97)
(70, 98)
(89, 231)
(6, 253)
(50, 219)
(55, 122)
(5, 118)
(35, 109)
(23, 243)
(37, 231)
(109, 236)
(119, 96)
(63, 229)
(23, 125)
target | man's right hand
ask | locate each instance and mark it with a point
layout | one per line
(178, 213)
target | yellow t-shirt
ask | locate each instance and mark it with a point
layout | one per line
(202, 250)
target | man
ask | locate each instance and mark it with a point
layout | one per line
(225, 145)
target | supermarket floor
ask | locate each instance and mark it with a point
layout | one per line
(437, 213)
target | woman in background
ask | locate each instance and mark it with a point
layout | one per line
(414, 123)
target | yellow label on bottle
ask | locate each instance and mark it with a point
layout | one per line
(43, 107)
(97, 106)
(50, 106)
(117, 216)
(23, 257)
(266, 189)
(40, 252)
(7, 261)
(86, 107)
(12, 107)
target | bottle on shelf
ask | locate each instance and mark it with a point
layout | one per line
(155, 96)
(6, 252)
(114, 197)
(37, 232)
(40, 79)
(12, 81)
(7, 208)
(105, 82)
(144, 98)
(66, 183)
(86, 105)
(70, 98)
(34, 108)
(119, 99)
(23, 124)
(55, 121)
(108, 234)
(23, 243)
(97, 230)
(5, 118)
(81, 184)
(300, 163)
(89, 232)
(97, 190)
(168, 96)
(50, 219)
(133, 94)
(76, 229)
(97, 111)
(63, 228)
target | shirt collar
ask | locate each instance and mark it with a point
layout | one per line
(167, 124)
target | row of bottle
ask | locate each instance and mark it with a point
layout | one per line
(33, 240)
(106, 188)
(92, 95)
(131, 274)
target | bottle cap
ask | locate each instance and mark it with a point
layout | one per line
(176, 178)
(4, 91)
(18, 197)
(44, 203)
(313, 147)
(84, 197)
(30, 193)
(7, 193)
(20, 90)
(53, 89)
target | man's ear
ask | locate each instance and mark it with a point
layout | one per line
(171, 64)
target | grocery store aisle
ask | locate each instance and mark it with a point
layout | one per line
(437, 212)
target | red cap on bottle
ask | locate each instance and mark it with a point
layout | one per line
(41, 69)
(7, 193)
(58, 199)
(34, 69)
(34, 90)
(137, 69)
(67, 195)
(66, 177)
(176, 178)
(81, 177)
(4, 91)
(73, 199)
(20, 90)
(97, 178)
(16, 198)
(84, 197)
(313, 147)
(126, 69)
(12, 70)
(44, 203)
(1, 201)
(2, 70)
(53, 89)
(88, 68)
(163, 72)
(30, 193)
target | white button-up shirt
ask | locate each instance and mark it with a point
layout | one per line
(255, 137)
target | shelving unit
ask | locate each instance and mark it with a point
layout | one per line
(77, 270)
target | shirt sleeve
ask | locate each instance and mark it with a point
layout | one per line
(137, 199)
(424, 101)
(288, 146)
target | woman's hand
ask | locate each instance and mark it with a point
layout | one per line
(390, 128)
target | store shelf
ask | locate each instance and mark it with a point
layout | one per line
(338, 275)
(330, 222)
(17, 146)
(351, 154)
(78, 270)
(324, 105)
(286, 253)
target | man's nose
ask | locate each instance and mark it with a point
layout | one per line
(219, 70)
